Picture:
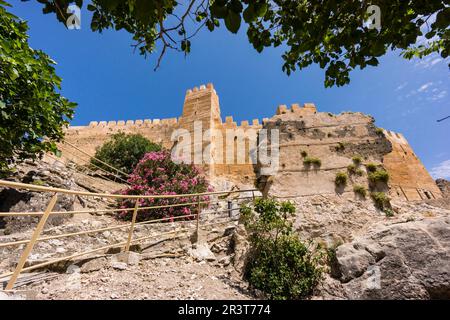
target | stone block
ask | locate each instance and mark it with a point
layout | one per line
(295, 107)
(130, 258)
(282, 109)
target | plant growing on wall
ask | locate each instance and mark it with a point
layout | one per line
(351, 168)
(371, 167)
(278, 262)
(340, 147)
(341, 179)
(379, 176)
(357, 160)
(360, 190)
(123, 151)
(379, 131)
(380, 199)
(157, 174)
(307, 161)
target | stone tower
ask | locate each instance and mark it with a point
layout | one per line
(201, 116)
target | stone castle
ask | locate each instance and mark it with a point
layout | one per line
(334, 139)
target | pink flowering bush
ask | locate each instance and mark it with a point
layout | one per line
(157, 174)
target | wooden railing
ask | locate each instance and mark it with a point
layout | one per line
(44, 215)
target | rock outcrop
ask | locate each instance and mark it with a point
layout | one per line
(444, 186)
(401, 261)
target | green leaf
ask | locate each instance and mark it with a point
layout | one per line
(249, 13)
(218, 11)
(233, 22)
(144, 10)
(109, 4)
(373, 61)
(261, 9)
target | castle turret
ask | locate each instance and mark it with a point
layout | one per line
(201, 114)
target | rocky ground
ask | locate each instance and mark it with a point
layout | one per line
(163, 278)
(166, 267)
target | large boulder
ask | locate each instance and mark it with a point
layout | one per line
(401, 261)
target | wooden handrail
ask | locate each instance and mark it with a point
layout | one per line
(93, 164)
(91, 156)
(40, 213)
(31, 187)
(80, 233)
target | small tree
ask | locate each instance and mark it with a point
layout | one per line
(123, 151)
(32, 112)
(279, 263)
(157, 174)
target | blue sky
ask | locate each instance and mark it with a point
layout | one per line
(109, 82)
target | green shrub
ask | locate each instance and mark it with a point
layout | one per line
(311, 160)
(123, 151)
(371, 167)
(304, 153)
(379, 176)
(359, 172)
(361, 190)
(157, 174)
(389, 213)
(341, 179)
(38, 182)
(340, 147)
(357, 160)
(379, 131)
(380, 199)
(278, 263)
(351, 168)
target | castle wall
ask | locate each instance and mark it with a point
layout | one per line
(88, 138)
(334, 139)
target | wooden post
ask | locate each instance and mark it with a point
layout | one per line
(133, 221)
(198, 219)
(30, 245)
(253, 195)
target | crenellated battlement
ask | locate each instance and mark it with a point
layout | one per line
(201, 89)
(307, 108)
(245, 124)
(132, 123)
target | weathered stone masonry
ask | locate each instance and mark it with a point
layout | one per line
(335, 139)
